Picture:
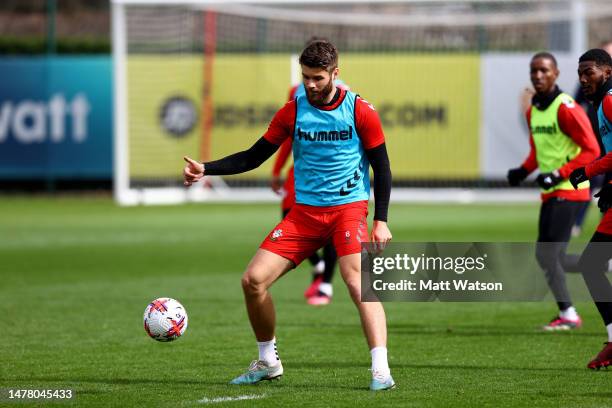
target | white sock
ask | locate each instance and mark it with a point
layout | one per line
(380, 364)
(569, 313)
(609, 327)
(326, 288)
(267, 352)
(319, 268)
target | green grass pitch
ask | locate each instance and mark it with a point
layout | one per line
(77, 272)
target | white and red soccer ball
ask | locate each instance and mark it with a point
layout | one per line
(165, 319)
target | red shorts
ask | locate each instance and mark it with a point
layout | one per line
(605, 225)
(306, 229)
(289, 189)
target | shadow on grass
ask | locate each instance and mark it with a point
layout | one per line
(459, 331)
(118, 381)
(491, 368)
(280, 384)
(483, 332)
(398, 366)
(598, 395)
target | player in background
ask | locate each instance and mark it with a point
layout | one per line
(597, 181)
(336, 137)
(561, 140)
(595, 76)
(320, 291)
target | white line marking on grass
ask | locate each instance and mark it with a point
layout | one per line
(229, 399)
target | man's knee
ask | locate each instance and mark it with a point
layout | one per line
(251, 285)
(350, 268)
(354, 287)
(352, 278)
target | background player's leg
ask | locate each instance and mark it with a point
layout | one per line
(593, 264)
(549, 255)
(315, 261)
(330, 257)
(321, 291)
(556, 220)
(265, 268)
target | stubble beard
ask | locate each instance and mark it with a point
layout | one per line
(319, 98)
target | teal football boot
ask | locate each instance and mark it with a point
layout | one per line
(380, 382)
(259, 371)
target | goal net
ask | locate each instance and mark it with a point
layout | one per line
(204, 78)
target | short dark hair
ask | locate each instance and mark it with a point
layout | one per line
(598, 56)
(545, 55)
(315, 38)
(320, 54)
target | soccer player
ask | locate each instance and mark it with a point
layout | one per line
(336, 137)
(595, 76)
(561, 140)
(597, 181)
(320, 291)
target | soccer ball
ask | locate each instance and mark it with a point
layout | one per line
(165, 319)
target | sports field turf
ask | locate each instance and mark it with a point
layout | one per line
(77, 273)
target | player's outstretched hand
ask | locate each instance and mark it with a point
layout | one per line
(578, 176)
(380, 235)
(515, 176)
(549, 180)
(605, 198)
(192, 172)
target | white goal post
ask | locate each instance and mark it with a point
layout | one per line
(203, 78)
